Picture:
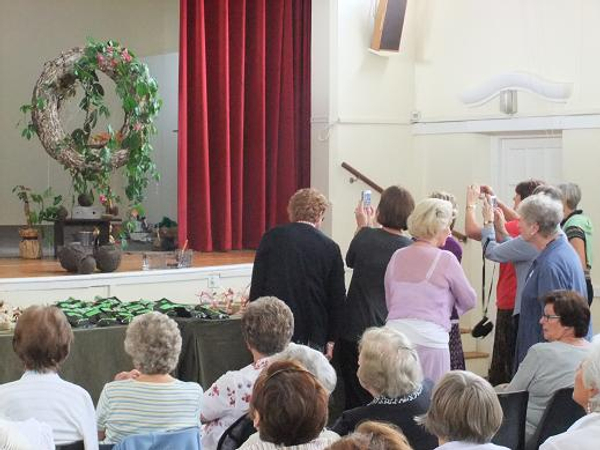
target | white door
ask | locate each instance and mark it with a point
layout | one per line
(525, 157)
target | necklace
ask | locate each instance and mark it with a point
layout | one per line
(306, 223)
(383, 400)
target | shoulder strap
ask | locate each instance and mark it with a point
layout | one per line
(485, 304)
(433, 266)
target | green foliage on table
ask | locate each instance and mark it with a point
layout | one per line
(38, 207)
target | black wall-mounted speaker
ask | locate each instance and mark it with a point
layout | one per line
(389, 22)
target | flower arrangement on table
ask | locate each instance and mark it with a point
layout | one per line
(228, 300)
(93, 157)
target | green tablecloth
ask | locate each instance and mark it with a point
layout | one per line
(210, 348)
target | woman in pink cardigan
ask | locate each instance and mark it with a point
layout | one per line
(424, 283)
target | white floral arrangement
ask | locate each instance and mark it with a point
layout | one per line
(228, 300)
(8, 316)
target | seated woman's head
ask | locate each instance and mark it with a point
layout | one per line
(314, 361)
(388, 364)
(267, 325)
(566, 315)
(464, 407)
(395, 205)
(289, 405)
(431, 219)
(371, 435)
(153, 341)
(587, 381)
(42, 338)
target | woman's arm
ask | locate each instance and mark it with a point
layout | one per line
(460, 287)
(472, 228)
(579, 246)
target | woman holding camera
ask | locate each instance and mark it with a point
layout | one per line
(424, 283)
(369, 254)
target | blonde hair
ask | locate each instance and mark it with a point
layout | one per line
(389, 364)
(464, 407)
(308, 205)
(430, 217)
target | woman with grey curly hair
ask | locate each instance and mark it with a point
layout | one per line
(583, 434)
(150, 400)
(389, 369)
(556, 267)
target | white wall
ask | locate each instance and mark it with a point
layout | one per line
(447, 47)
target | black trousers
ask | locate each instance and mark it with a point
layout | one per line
(347, 356)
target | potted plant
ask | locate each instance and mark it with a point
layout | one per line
(37, 208)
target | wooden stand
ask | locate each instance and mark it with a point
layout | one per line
(65, 230)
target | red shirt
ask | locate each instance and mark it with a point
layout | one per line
(507, 278)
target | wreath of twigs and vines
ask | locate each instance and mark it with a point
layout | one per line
(91, 157)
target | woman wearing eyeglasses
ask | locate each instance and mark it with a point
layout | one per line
(551, 365)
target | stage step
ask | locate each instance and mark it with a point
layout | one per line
(476, 355)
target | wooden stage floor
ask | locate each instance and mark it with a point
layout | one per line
(131, 262)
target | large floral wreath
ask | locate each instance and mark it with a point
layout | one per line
(92, 158)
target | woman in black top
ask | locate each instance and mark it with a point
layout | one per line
(369, 254)
(389, 369)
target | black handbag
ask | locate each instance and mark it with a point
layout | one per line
(485, 325)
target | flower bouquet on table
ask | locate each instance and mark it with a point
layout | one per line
(228, 300)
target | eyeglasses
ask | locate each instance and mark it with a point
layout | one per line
(550, 316)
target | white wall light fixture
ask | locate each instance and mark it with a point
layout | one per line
(506, 86)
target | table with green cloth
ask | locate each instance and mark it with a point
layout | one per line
(209, 349)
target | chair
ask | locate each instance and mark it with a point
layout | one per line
(236, 434)
(187, 438)
(72, 446)
(561, 412)
(512, 431)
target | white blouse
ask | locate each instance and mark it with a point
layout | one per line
(227, 400)
(582, 435)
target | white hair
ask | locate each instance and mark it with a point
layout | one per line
(544, 211)
(389, 362)
(313, 361)
(571, 194)
(429, 217)
(591, 372)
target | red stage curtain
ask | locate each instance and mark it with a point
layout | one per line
(244, 117)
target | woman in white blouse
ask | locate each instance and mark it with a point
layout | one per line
(583, 434)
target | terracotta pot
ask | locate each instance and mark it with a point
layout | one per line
(29, 233)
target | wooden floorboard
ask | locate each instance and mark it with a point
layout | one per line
(26, 268)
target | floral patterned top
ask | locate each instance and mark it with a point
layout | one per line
(227, 400)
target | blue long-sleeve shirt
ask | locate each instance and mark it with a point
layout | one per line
(557, 267)
(516, 251)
